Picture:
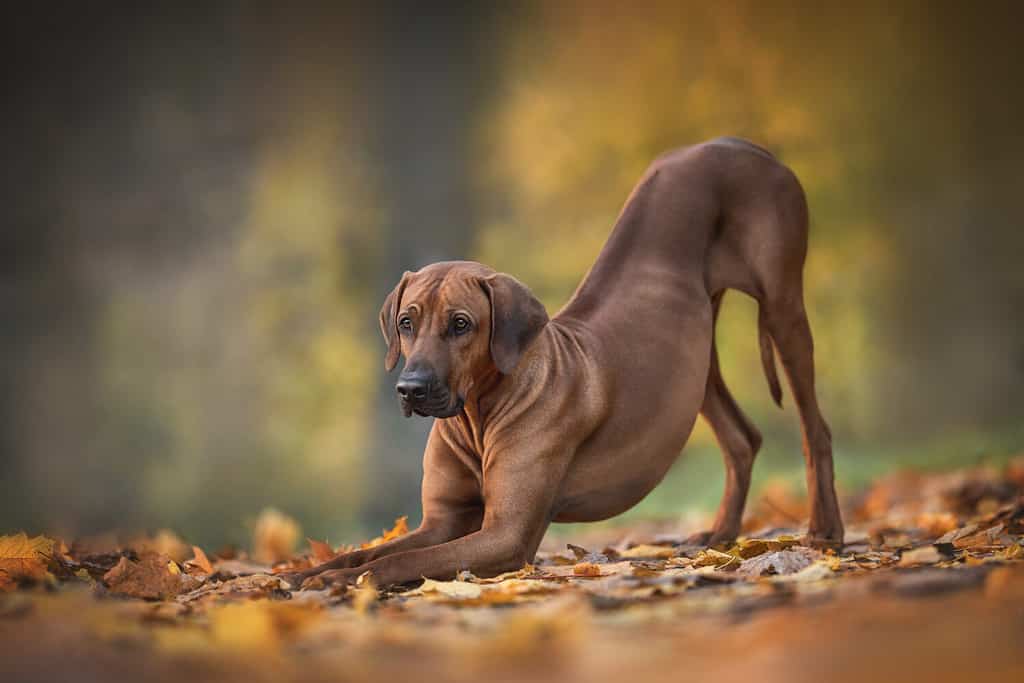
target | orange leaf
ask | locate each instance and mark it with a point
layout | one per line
(22, 557)
(201, 560)
(587, 569)
(322, 552)
(401, 528)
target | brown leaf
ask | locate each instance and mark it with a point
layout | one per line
(149, 578)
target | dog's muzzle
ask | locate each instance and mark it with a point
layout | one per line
(420, 392)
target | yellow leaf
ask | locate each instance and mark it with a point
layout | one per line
(244, 626)
(1014, 552)
(274, 536)
(715, 558)
(451, 589)
(658, 552)
(365, 595)
(752, 547)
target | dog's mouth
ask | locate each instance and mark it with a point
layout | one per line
(440, 407)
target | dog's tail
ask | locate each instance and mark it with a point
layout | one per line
(768, 357)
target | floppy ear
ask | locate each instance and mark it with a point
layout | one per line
(516, 319)
(389, 323)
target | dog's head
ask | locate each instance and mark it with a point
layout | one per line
(455, 322)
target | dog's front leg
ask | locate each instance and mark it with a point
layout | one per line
(452, 508)
(431, 532)
(519, 495)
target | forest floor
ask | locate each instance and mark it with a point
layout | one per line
(930, 585)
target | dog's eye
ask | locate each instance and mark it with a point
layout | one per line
(405, 323)
(460, 324)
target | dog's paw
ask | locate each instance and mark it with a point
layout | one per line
(711, 539)
(700, 538)
(823, 541)
(329, 578)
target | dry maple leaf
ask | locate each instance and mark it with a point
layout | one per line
(149, 578)
(322, 552)
(201, 560)
(401, 528)
(22, 557)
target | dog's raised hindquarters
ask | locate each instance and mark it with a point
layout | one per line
(578, 417)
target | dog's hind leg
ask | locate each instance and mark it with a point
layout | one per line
(789, 329)
(784, 318)
(739, 441)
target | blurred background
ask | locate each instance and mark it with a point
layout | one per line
(205, 208)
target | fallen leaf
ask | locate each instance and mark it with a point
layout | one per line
(450, 589)
(928, 554)
(401, 528)
(365, 594)
(275, 536)
(657, 552)
(583, 555)
(240, 568)
(717, 559)
(322, 552)
(752, 547)
(200, 560)
(586, 569)
(23, 558)
(817, 571)
(148, 578)
(789, 561)
(1013, 552)
(936, 523)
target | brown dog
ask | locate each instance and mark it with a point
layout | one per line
(578, 417)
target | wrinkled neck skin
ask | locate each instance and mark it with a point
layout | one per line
(494, 406)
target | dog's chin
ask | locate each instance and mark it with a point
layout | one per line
(441, 410)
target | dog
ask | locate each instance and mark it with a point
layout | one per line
(576, 418)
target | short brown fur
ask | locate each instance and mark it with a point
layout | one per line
(578, 417)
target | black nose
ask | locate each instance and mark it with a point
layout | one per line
(413, 387)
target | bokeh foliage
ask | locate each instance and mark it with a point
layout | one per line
(209, 227)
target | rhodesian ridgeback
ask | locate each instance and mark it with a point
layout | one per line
(577, 417)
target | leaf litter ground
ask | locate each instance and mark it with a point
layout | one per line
(929, 585)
